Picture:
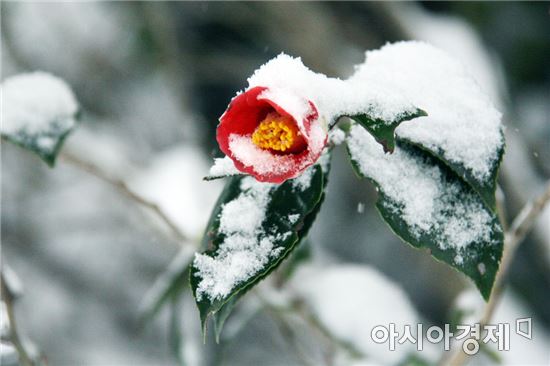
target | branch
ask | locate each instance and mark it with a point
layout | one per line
(299, 309)
(521, 225)
(123, 187)
(7, 297)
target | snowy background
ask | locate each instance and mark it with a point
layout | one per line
(152, 79)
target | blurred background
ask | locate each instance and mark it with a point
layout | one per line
(152, 80)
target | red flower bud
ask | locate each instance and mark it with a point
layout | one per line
(266, 140)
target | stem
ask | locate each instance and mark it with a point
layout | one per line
(8, 299)
(123, 187)
(521, 225)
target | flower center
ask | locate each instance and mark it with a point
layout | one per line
(278, 133)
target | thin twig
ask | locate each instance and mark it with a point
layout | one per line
(8, 298)
(289, 336)
(521, 225)
(123, 187)
(300, 310)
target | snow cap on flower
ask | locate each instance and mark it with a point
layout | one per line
(273, 131)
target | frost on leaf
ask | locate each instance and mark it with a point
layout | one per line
(38, 111)
(254, 226)
(462, 128)
(428, 205)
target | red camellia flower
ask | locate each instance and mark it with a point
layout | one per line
(266, 140)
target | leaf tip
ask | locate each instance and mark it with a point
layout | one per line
(421, 113)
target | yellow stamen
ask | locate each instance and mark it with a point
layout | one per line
(275, 132)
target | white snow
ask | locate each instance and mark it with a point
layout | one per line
(350, 300)
(333, 97)
(421, 195)
(247, 246)
(293, 218)
(262, 160)
(462, 123)
(223, 167)
(36, 103)
(336, 136)
(265, 162)
(241, 255)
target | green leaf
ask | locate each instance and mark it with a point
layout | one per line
(428, 206)
(40, 111)
(284, 214)
(384, 131)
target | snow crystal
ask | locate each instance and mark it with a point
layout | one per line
(462, 123)
(244, 214)
(223, 167)
(458, 259)
(419, 192)
(293, 218)
(336, 136)
(304, 180)
(32, 103)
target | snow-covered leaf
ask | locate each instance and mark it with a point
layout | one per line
(428, 205)
(222, 168)
(253, 227)
(463, 128)
(38, 112)
(300, 251)
(384, 131)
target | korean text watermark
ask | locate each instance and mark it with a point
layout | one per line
(471, 335)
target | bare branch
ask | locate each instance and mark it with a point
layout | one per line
(300, 310)
(7, 296)
(123, 187)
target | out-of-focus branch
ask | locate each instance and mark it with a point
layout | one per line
(7, 297)
(123, 187)
(300, 310)
(519, 228)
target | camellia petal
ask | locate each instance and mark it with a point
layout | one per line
(266, 141)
